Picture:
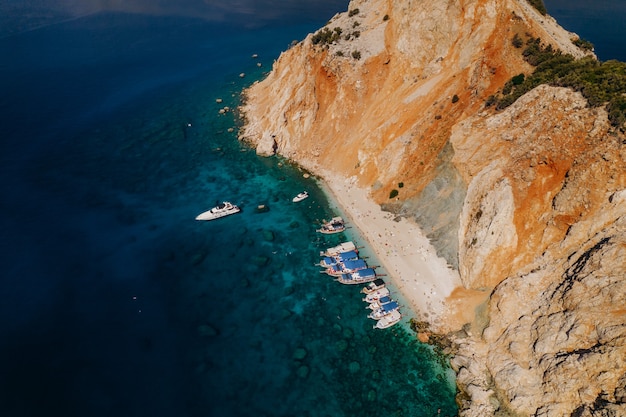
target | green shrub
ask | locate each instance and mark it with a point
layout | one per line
(353, 12)
(455, 98)
(393, 193)
(538, 4)
(583, 44)
(326, 36)
(518, 79)
(517, 41)
(400, 184)
(356, 54)
(385, 18)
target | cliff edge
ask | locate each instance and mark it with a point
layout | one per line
(527, 203)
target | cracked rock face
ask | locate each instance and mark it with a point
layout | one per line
(528, 203)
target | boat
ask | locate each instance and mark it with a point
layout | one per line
(329, 261)
(389, 320)
(376, 304)
(340, 248)
(358, 277)
(384, 310)
(301, 196)
(373, 286)
(221, 210)
(347, 267)
(334, 225)
(375, 295)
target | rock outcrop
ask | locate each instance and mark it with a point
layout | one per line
(529, 203)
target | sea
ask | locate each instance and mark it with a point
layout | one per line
(601, 22)
(117, 128)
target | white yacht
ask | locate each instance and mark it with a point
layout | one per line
(301, 196)
(222, 210)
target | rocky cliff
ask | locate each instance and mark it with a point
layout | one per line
(528, 203)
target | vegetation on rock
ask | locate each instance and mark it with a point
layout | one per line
(326, 36)
(599, 82)
(583, 44)
(538, 4)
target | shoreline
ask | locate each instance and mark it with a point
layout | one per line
(411, 262)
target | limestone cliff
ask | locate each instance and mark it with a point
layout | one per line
(529, 203)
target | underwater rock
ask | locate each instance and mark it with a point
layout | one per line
(341, 345)
(299, 354)
(303, 371)
(197, 258)
(259, 260)
(354, 367)
(206, 330)
(268, 235)
(371, 395)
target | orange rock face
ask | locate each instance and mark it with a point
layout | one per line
(529, 203)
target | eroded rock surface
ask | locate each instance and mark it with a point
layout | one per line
(529, 203)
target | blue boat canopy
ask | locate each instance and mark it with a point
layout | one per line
(366, 273)
(390, 306)
(356, 264)
(384, 300)
(347, 256)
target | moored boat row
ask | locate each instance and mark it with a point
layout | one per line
(343, 263)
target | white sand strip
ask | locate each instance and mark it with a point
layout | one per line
(423, 278)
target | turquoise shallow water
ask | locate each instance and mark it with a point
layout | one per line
(115, 300)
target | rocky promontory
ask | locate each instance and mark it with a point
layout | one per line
(527, 201)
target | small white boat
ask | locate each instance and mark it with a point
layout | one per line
(384, 310)
(335, 225)
(222, 210)
(340, 248)
(389, 320)
(373, 286)
(300, 197)
(375, 295)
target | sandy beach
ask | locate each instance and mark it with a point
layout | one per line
(411, 263)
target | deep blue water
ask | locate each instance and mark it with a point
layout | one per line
(114, 300)
(602, 22)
